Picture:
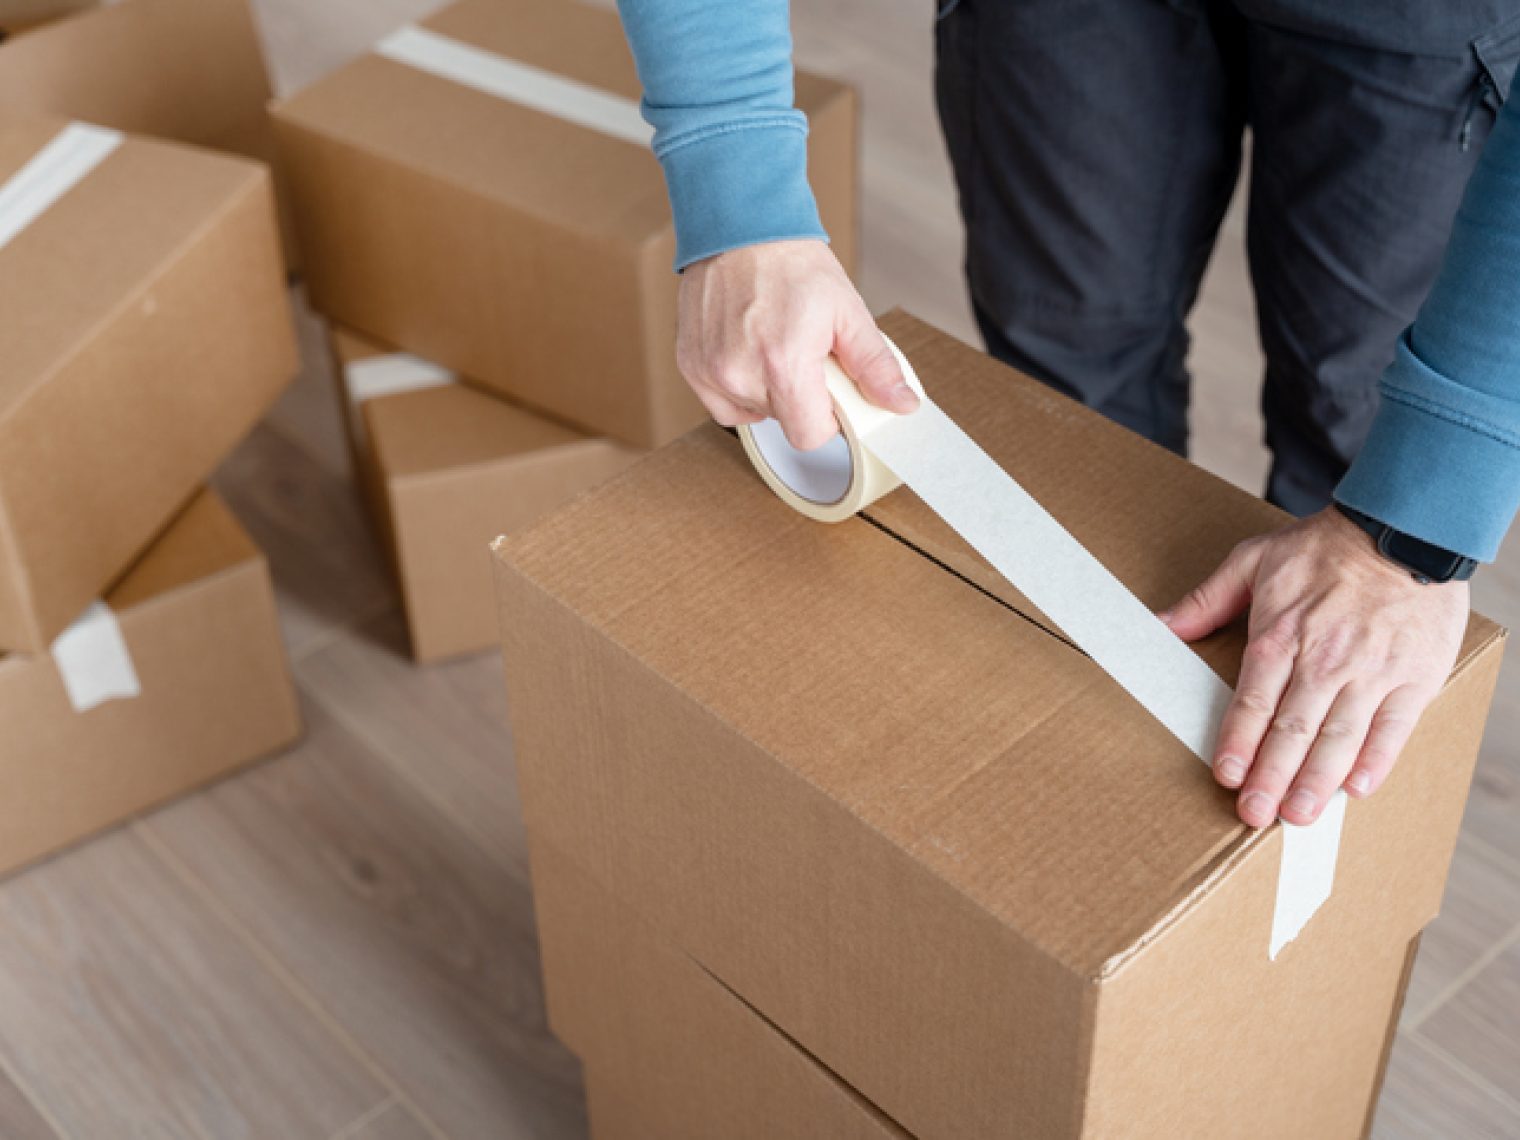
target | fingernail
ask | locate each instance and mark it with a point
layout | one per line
(905, 395)
(1257, 805)
(1300, 802)
(1359, 782)
(1231, 768)
(1165, 616)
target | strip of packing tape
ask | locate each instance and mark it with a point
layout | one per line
(878, 451)
(93, 660)
(50, 174)
(517, 82)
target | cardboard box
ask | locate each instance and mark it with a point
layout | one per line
(670, 1052)
(847, 771)
(446, 469)
(527, 253)
(197, 616)
(188, 70)
(146, 327)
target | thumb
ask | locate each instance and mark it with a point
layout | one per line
(1219, 598)
(866, 359)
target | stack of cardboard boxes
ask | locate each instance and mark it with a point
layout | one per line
(475, 199)
(145, 327)
(833, 836)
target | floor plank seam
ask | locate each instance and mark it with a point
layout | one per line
(282, 973)
(38, 1105)
(365, 1118)
(399, 766)
(1498, 1092)
(1478, 965)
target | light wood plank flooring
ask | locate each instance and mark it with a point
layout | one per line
(339, 942)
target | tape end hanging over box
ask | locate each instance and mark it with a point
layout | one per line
(93, 660)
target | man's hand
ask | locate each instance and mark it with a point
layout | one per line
(756, 325)
(1346, 649)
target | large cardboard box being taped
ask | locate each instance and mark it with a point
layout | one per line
(516, 246)
(145, 327)
(191, 631)
(850, 772)
(669, 1052)
(189, 70)
(446, 469)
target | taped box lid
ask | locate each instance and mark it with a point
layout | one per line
(460, 96)
(851, 771)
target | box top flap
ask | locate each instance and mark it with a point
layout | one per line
(97, 248)
(543, 165)
(882, 662)
(456, 426)
(204, 539)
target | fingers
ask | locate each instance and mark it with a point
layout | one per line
(1335, 750)
(1264, 674)
(1390, 729)
(1220, 598)
(723, 409)
(866, 359)
(800, 402)
(1290, 734)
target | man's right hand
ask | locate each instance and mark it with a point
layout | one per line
(755, 327)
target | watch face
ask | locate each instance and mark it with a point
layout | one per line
(1424, 559)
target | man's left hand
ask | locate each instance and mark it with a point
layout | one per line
(1345, 650)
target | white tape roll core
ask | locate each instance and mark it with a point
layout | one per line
(878, 451)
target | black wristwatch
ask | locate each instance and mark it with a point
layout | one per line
(1426, 562)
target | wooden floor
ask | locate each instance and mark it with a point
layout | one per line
(339, 943)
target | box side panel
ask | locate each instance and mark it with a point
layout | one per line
(687, 1059)
(1202, 1034)
(530, 310)
(216, 693)
(445, 522)
(126, 431)
(855, 949)
(185, 69)
(833, 165)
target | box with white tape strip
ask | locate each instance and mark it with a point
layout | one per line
(670, 1053)
(479, 191)
(445, 470)
(145, 327)
(189, 70)
(854, 773)
(176, 677)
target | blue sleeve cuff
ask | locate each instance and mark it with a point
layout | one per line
(1435, 464)
(740, 184)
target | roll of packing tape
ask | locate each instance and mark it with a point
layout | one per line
(878, 451)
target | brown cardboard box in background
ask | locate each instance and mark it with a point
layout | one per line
(189, 70)
(145, 327)
(531, 255)
(850, 773)
(669, 1052)
(198, 616)
(446, 470)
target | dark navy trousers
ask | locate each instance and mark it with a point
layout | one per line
(1096, 145)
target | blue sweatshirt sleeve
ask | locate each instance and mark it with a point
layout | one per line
(717, 78)
(1442, 461)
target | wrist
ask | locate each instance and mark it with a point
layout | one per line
(1425, 562)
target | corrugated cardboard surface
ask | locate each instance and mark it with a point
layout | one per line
(670, 1053)
(198, 616)
(843, 770)
(523, 252)
(145, 327)
(191, 70)
(446, 471)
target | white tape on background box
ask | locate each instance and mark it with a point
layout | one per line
(93, 660)
(50, 174)
(389, 375)
(877, 451)
(517, 82)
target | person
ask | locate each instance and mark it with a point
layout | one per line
(1096, 144)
